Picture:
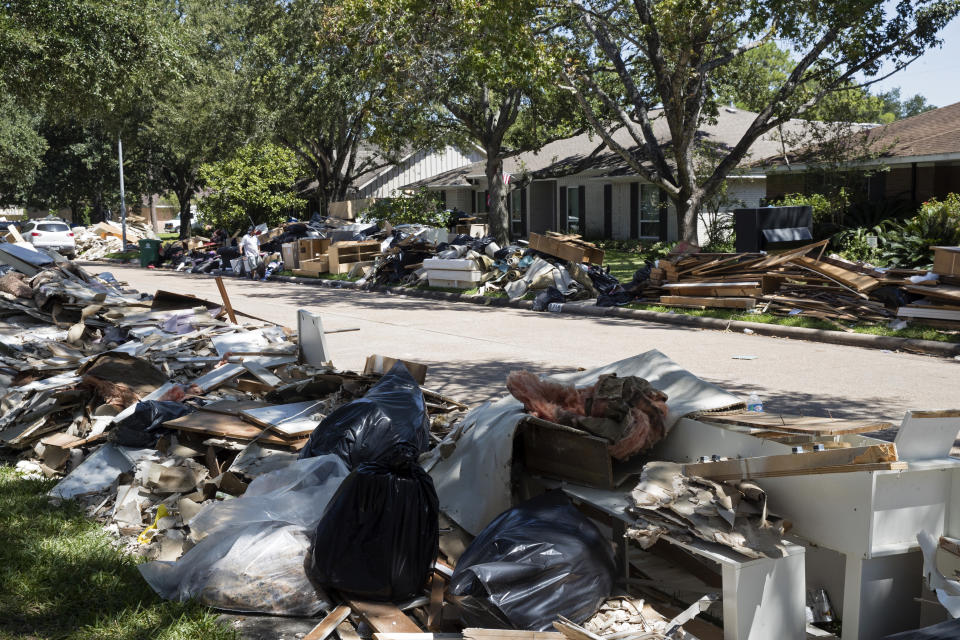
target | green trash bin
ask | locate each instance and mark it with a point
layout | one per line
(149, 252)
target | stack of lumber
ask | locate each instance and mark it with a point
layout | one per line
(805, 282)
(569, 247)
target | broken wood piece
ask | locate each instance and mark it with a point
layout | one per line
(328, 624)
(859, 282)
(226, 300)
(378, 364)
(708, 301)
(510, 634)
(383, 617)
(215, 424)
(872, 458)
(262, 374)
(437, 586)
(346, 631)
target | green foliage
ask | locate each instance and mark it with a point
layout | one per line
(906, 244)
(825, 209)
(422, 207)
(21, 149)
(853, 244)
(255, 185)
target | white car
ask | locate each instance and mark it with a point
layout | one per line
(50, 234)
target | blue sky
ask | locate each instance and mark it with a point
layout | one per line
(936, 75)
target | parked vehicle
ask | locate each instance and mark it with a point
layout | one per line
(51, 233)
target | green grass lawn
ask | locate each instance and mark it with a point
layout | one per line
(623, 264)
(169, 236)
(123, 255)
(62, 578)
(322, 276)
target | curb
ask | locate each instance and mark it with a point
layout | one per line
(925, 347)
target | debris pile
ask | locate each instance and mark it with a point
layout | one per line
(98, 240)
(804, 282)
(258, 478)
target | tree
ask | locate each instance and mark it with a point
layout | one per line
(21, 149)
(668, 54)
(201, 113)
(904, 108)
(256, 185)
(490, 69)
(324, 88)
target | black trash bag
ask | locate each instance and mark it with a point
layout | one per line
(144, 426)
(537, 561)
(602, 280)
(379, 536)
(546, 297)
(388, 425)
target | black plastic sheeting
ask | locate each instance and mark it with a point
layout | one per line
(537, 561)
(546, 297)
(144, 426)
(388, 425)
(379, 536)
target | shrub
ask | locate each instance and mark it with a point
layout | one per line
(255, 185)
(907, 244)
(422, 207)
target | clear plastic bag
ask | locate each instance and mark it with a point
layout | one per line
(253, 550)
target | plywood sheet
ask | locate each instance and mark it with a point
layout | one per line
(806, 425)
(291, 420)
(872, 458)
(221, 425)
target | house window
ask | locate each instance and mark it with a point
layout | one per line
(515, 214)
(573, 209)
(649, 211)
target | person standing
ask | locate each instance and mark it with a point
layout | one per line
(250, 253)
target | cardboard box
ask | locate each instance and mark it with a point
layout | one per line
(474, 230)
(290, 255)
(946, 261)
(348, 209)
(311, 248)
(382, 364)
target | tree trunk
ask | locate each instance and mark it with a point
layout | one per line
(185, 221)
(498, 216)
(153, 214)
(687, 208)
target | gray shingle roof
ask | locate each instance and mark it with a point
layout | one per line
(569, 155)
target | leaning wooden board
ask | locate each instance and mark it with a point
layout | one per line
(804, 425)
(384, 617)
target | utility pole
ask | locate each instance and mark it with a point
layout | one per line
(123, 203)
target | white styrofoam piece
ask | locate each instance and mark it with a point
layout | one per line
(457, 264)
(451, 284)
(450, 274)
(313, 344)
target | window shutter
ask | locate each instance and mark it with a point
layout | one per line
(582, 209)
(523, 213)
(634, 210)
(608, 211)
(562, 215)
(664, 214)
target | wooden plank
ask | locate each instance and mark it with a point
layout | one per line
(346, 631)
(226, 300)
(328, 624)
(857, 281)
(871, 458)
(941, 292)
(384, 617)
(931, 313)
(566, 453)
(727, 303)
(809, 425)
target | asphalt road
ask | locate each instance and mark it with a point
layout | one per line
(471, 348)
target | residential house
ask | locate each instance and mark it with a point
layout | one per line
(567, 187)
(919, 157)
(415, 166)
